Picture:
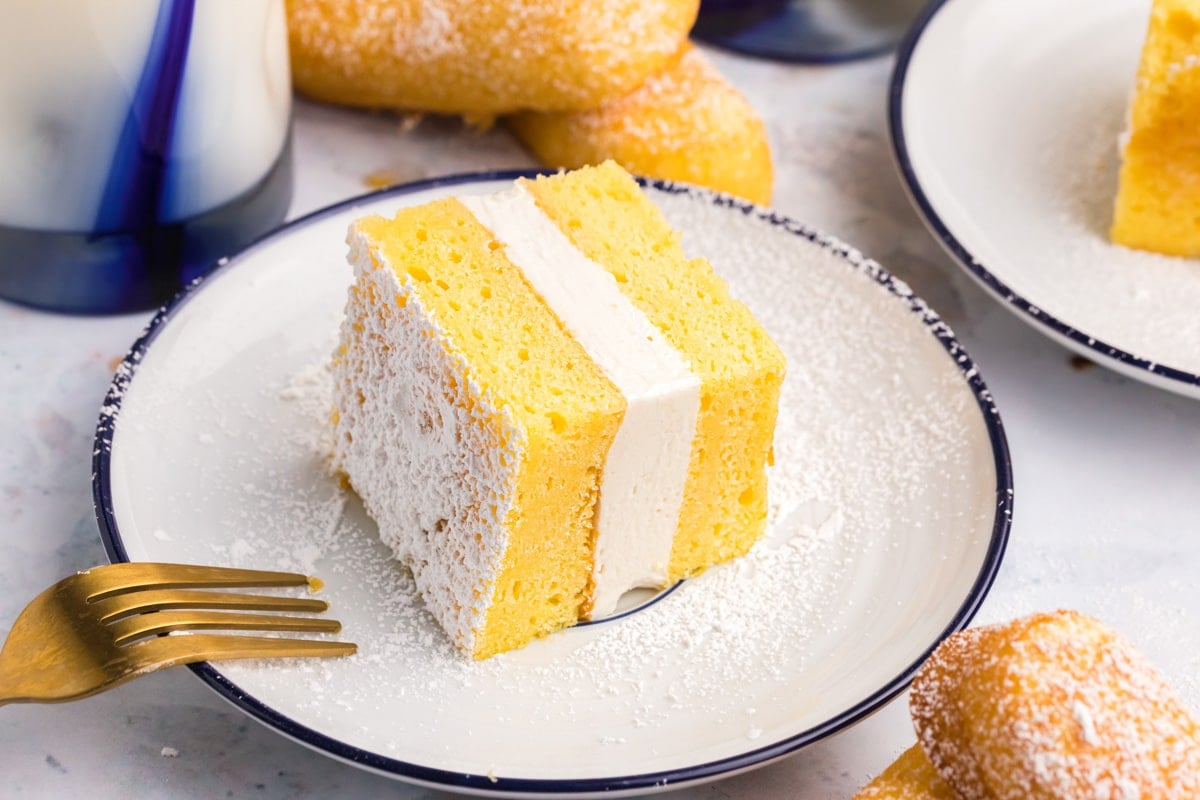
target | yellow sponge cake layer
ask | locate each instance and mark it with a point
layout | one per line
(608, 217)
(1158, 201)
(506, 357)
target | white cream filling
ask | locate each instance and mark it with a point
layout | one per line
(642, 486)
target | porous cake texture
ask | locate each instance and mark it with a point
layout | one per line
(543, 403)
(1158, 200)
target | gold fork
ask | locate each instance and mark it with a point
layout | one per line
(92, 631)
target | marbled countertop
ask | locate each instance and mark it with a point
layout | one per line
(1106, 469)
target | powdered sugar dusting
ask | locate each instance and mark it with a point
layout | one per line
(701, 101)
(1087, 725)
(481, 57)
(882, 500)
(1055, 706)
(448, 521)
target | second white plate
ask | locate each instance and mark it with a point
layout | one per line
(889, 513)
(1005, 118)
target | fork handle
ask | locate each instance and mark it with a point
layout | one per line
(151, 655)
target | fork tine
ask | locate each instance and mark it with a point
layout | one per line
(130, 629)
(123, 605)
(115, 579)
(168, 651)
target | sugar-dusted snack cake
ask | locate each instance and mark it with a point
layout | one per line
(1050, 707)
(1053, 706)
(481, 57)
(1158, 199)
(909, 777)
(686, 123)
(543, 403)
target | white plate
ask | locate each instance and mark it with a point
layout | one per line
(1005, 117)
(890, 512)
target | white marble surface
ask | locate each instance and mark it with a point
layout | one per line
(1107, 470)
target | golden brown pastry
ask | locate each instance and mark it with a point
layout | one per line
(686, 124)
(910, 777)
(481, 57)
(1053, 706)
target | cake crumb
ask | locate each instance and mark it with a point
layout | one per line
(1080, 363)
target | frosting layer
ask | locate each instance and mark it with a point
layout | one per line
(642, 484)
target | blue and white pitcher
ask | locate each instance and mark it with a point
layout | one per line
(140, 141)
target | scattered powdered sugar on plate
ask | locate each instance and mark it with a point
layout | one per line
(882, 504)
(720, 620)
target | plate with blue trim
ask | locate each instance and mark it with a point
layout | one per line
(890, 502)
(1006, 118)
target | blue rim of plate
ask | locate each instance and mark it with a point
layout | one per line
(502, 786)
(912, 182)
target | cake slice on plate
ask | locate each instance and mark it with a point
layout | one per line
(543, 403)
(1158, 200)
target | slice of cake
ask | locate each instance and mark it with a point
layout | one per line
(1158, 200)
(543, 403)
